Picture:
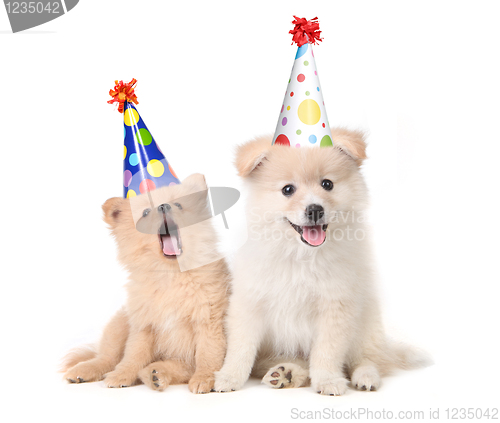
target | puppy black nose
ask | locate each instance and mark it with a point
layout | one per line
(163, 208)
(314, 212)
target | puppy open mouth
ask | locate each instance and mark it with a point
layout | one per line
(170, 238)
(313, 236)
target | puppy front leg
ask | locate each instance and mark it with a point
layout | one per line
(210, 351)
(138, 354)
(328, 352)
(244, 334)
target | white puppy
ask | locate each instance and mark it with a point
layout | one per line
(303, 306)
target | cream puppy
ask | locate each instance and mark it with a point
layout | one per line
(304, 307)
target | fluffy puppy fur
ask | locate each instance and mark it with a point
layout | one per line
(171, 329)
(307, 312)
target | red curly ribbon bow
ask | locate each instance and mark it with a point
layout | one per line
(305, 31)
(122, 93)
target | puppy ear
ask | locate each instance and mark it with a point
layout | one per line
(251, 154)
(351, 143)
(196, 180)
(113, 210)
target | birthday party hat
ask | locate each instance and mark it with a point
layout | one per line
(303, 121)
(144, 165)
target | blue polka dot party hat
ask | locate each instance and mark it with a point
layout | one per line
(144, 165)
(303, 121)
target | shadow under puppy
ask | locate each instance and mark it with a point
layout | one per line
(304, 307)
(171, 329)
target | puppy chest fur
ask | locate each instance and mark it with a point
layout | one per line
(173, 307)
(292, 295)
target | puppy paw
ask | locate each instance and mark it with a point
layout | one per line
(366, 378)
(155, 379)
(119, 379)
(201, 384)
(334, 387)
(84, 372)
(226, 383)
(287, 375)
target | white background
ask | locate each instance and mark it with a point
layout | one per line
(421, 77)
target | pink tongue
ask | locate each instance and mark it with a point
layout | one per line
(314, 235)
(170, 245)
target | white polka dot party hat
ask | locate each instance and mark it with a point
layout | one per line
(303, 121)
(144, 165)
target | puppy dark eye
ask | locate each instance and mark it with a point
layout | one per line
(178, 205)
(327, 184)
(145, 212)
(288, 190)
